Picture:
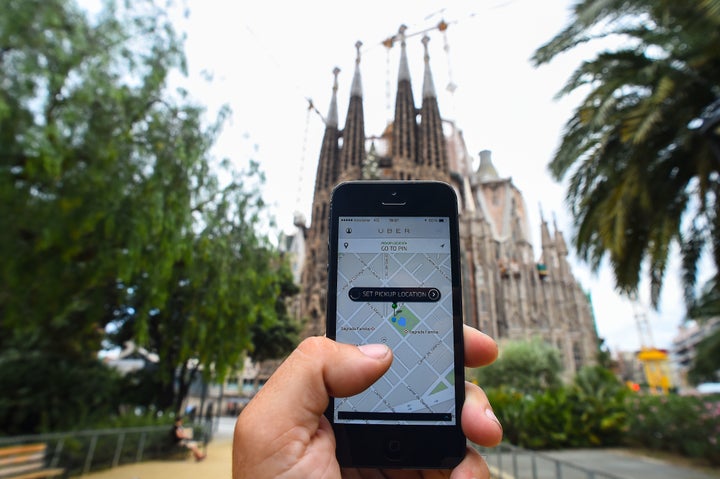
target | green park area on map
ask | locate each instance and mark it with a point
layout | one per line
(403, 319)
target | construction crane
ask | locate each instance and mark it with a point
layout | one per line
(654, 361)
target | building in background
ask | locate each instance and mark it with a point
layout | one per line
(509, 290)
(685, 344)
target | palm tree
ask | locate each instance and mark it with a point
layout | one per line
(640, 152)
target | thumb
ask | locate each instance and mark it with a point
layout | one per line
(297, 394)
(284, 422)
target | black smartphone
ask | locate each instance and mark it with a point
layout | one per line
(394, 278)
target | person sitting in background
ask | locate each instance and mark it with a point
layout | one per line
(183, 437)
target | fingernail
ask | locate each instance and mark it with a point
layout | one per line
(491, 415)
(375, 351)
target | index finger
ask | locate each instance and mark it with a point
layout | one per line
(480, 349)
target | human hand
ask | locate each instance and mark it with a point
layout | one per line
(283, 431)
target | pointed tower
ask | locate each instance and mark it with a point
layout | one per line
(433, 156)
(548, 257)
(352, 154)
(404, 133)
(329, 150)
(314, 276)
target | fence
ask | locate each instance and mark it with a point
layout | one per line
(81, 452)
(507, 461)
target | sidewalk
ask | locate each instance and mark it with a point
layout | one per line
(578, 464)
(217, 465)
(625, 464)
(617, 463)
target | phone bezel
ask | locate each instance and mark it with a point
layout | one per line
(399, 446)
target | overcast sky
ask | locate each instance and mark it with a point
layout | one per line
(265, 58)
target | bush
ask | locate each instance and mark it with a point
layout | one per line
(599, 410)
(590, 412)
(686, 425)
(43, 392)
(525, 366)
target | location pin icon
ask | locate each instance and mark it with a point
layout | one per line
(345, 245)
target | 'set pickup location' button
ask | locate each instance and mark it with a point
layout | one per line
(408, 295)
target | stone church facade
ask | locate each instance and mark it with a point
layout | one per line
(507, 292)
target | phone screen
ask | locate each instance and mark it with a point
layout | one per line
(394, 286)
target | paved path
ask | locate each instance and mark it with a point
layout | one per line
(590, 464)
(625, 464)
(217, 464)
(617, 463)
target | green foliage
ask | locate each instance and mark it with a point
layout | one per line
(599, 411)
(706, 363)
(707, 305)
(524, 366)
(685, 425)
(642, 151)
(44, 391)
(92, 167)
(114, 214)
(588, 413)
(223, 299)
(275, 336)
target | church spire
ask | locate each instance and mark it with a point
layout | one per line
(404, 135)
(356, 89)
(325, 175)
(433, 152)
(352, 154)
(404, 71)
(428, 84)
(332, 117)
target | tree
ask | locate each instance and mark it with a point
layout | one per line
(224, 299)
(275, 336)
(524, 366)
(111, 207)
(43, 390)
(706, 365)
(640, 150)
(96, 161)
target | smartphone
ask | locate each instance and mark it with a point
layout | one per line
(394, 278)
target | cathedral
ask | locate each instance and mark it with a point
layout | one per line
(507, 292)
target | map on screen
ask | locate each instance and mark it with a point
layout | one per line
(394, 286)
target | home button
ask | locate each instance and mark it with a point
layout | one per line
(394, 450)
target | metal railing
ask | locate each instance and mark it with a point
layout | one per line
(511, 462)
(80, 452)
